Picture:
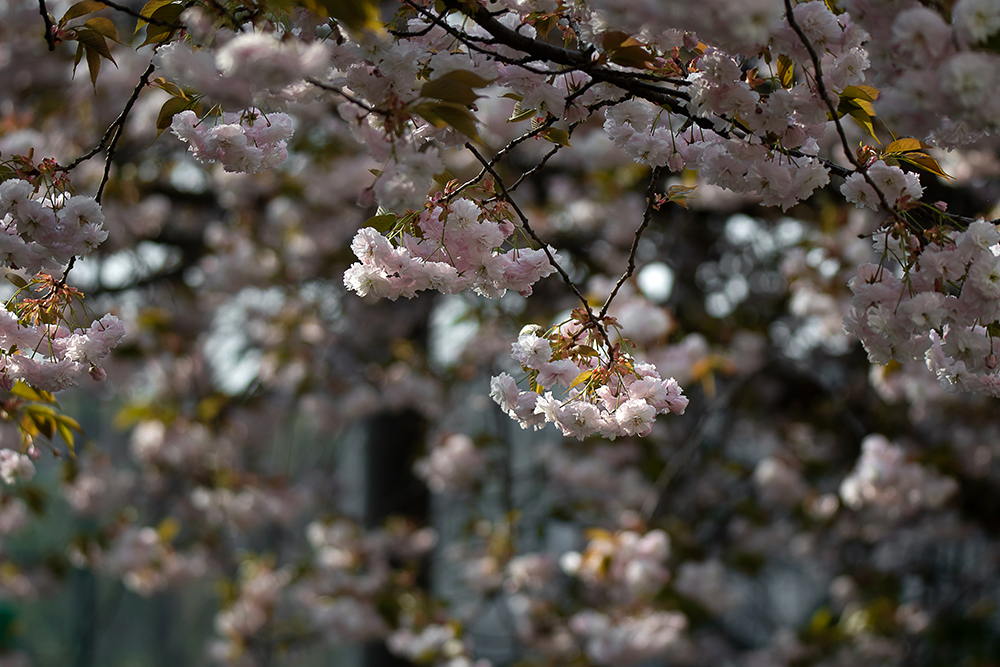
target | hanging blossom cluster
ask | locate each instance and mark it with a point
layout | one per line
(43, 228)
(450, 247)
(614, 396)
(945, 308)
(789, 116)
(250, 142)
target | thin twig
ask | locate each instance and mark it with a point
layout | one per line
(350, 98)
(821, 88)
(647, 215)
(545, 248)
(654, 500)
(112, 133)
(110, 138)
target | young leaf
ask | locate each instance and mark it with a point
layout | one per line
(519, 114)
(786, 71)
(925, 162)
(94, 65)
(81, 8)
(170, 108)
(556, 136)
(147, 10)
(103, 26)
(381, 223)
(17, 280)
(357, 15)
(65, 434)
(456, 86)
(95, 41)
(904, 145)
(444, 114)
(581, 378)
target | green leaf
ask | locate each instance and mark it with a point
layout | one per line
(16, 280)
(169, 87)
(156, 34)
(626, 50)
(94, 41)
(103, 26)
(520, 114)
(170, 108)
(65, 434)
(904, 145)
(81, 8)
(457, 86)
(381, 223)
(147, 10)
(94, 65)
(32, 394)
(867, 93)
(357, 15)
(925, 162)
(556, 136)
(445, 114)
(69, 422)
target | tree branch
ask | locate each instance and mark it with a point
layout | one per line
(647, 215)
(548, 253)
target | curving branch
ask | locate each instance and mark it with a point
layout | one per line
(647, 215)
(534, 236)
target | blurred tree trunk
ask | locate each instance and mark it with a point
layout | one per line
(394, 441)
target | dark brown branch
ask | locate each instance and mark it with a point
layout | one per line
(821, 88)
(114, 130)
(120, 122)
(50, 37)
(346, 96)
(545, 248)
(647, 215)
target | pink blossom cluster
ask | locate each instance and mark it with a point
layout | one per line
(644, 133)
(39, 232)
(439, 645)
(51, 357)
(941, 309)
(250, 68)
(897, 186)
(15, 467)
(625, 403)
(250, 142)
(709, 584)
(625, 640)
(453, 464)
(626, 565)
(258, 592)
(352, 571)
(883, 479)
(146, 563)
(452, 249)
(937, 78)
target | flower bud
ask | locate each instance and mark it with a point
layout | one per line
(98, 373)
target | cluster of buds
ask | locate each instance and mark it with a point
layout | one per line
(610, 394)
